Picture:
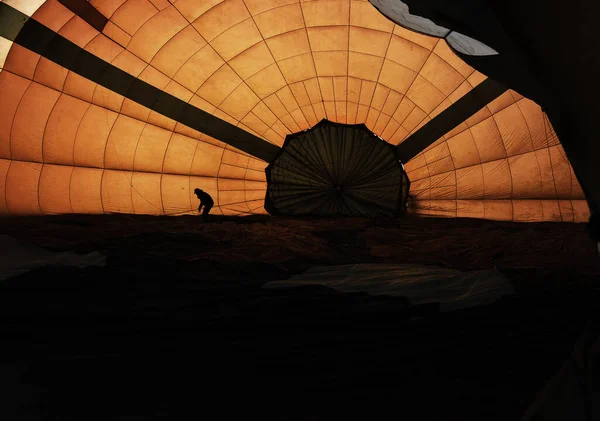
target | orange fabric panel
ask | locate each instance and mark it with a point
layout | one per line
(415, 118)
(546, 174)
(441, 74)
(581, 211)
(551, 211)
(367, 67)
(444, 52)
(470, 209)
(86, 190)
(407, 53)
(178, 50)
(132, 14)
(61, 130)
(334, 12)
(497, 180)
(107, 7)
(54, 189)
(278, 20)
(499, 210)
(252, 60)
(562, 172)
(22, 183)
(488, 140)
(369, 41)
(231, 171)
(527, 210)
(503, 101)
(179, 155)
(50, 74)
(78, 31)
(396, 77)
(53, 15)
(469, 183)
(151, 149)
(21, 61)
(155, 32)
(104, 47)
(92, 135)
(146, 193)
(117, 191)
(566, 210)
(514, 130)
(463, 150)
(30, 122)
(364, 15)
(176, 194)
(424, 41)
(240, 102)
(107, 99)
(13, 89)
(236, 39)
(116, 34)
(200, 66)
(122, 143)
(291, 44)
(79, 87)
(206, 161)
(526, 176)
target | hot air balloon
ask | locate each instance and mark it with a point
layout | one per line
(128, 106)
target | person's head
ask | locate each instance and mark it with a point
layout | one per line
(197, 191)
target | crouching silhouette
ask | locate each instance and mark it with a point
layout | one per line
(206, 201)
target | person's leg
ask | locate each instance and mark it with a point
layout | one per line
(205, 212)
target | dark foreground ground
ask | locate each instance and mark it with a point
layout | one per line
(176, 326)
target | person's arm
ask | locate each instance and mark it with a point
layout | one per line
(200, 207)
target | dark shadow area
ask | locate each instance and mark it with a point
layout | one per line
(176, 324)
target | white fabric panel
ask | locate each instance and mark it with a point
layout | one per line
(28, 7)
(4, 49)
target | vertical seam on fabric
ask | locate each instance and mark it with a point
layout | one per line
(313, 59)
(381, 112)
(380, 70)
(77, 131)
(551, 165)
(70, 182)
(309, 101)
(533, 150)
(508, 165)
(101, 185)
(60, 94)
(38, 189)
(6, 185)
(12, 121)
(348, 57)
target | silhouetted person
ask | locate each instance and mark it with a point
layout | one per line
(205, 200)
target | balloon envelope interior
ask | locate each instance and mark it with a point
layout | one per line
(336, 169)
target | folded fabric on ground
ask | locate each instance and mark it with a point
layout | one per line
(18, 257)
(453, 289)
